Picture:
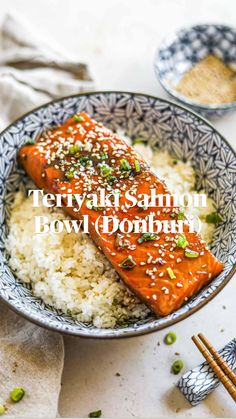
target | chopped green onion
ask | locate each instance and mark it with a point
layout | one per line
(122, 321)
(191, 253)
(177, 366)
(182, 242)
(146, 237)
(103, 155)
(89, 205)
(172, 215)
(2, 409)
(105, 171)
(124, 165)
(111, 180)
(96, 414)
(78, 118)
(170, 338)
(97, 208)
(137, 141)
(127, 263)
(74, 149)
(70, 173)
(171, 273)
(137, 166)
(17, 394)
(83, 160)
(125, 174)
(29, 142)
(181, 215)
(213, 218)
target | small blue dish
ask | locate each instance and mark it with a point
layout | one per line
(186, 47)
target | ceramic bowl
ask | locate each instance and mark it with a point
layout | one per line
(180, 51)
(160, 123)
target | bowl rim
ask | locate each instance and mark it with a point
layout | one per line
(102, 333)
(166, 42)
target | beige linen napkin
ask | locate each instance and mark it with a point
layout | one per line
(32, 358)
(31, 73)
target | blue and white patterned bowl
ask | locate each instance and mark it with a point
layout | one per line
(180, 51)
(162, 124)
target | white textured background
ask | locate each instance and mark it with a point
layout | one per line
(118, 39)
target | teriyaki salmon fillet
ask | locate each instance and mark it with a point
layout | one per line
(82, 156)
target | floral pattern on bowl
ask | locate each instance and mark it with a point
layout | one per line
(160, 123)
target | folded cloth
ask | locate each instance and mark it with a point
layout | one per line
(31, 73)
(201, 381)
(31, 358)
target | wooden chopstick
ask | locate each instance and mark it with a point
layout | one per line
(225, 380)
(218, 358)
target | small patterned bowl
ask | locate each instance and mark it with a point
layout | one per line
(160, 123)
(186, 47)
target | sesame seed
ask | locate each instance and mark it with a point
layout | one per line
(165, 290)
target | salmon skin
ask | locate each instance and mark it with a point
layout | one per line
(82, 156)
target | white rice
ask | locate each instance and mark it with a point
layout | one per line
(67, 270)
